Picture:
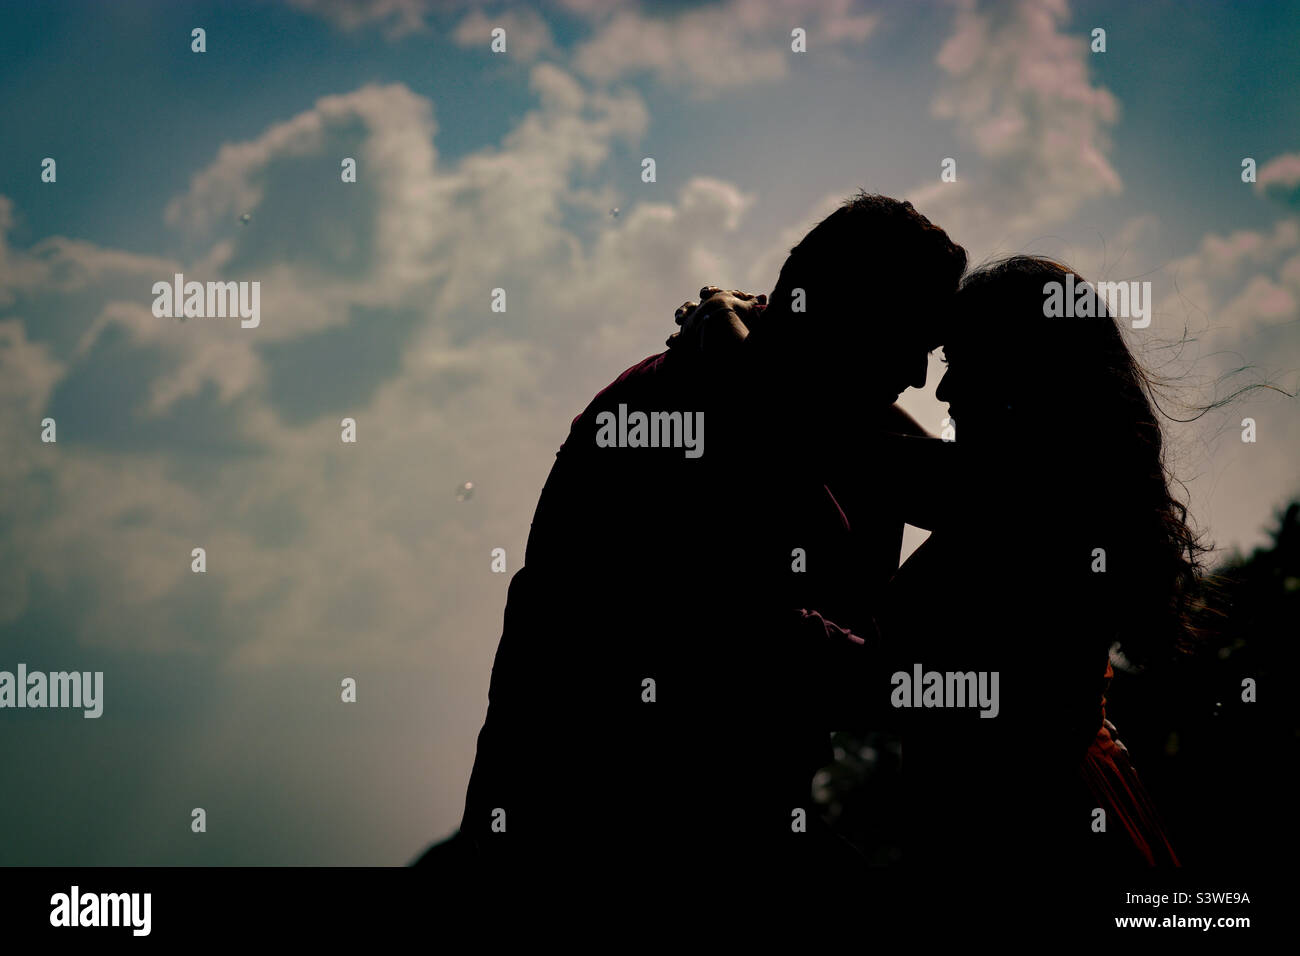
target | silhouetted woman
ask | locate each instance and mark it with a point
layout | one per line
(1058, 540)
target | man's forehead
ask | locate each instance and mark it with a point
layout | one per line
(930, 323)
(930, 335)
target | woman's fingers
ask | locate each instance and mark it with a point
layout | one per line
(720, 315)
(702, 313)
(711, 290)
(712, 300)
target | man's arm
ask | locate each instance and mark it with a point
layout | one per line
(852, 675)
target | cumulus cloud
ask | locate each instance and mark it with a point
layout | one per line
(398, 18)
(315, 546)
(711, 49)
(1233, 285)
(705, 50)
(1227, 318)
(527, 35)
(1031, 128)
(326, 559)
(1279, 179)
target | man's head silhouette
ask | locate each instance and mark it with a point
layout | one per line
(857, 307)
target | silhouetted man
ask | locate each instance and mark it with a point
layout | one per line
(656, 699)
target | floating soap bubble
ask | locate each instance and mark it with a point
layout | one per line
(246, 218)
(465, 491)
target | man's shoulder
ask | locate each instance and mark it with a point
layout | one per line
(653, 372)
(658, 380)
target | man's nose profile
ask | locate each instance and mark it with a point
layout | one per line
(920, 372)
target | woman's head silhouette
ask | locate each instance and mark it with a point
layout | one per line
(1060, 414)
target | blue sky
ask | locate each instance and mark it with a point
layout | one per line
(111, 90)
(480, 170)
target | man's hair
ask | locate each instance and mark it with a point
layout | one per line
(882, 247)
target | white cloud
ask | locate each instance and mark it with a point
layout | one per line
(317, 547)
(706, 49)
(1233, 307)
(527, 35)
(1279, 179)
(1232, 285)
(398, 17)
(1032, 143)
(27, 374)
(710, 49)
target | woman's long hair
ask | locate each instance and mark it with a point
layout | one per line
(1102, 448)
